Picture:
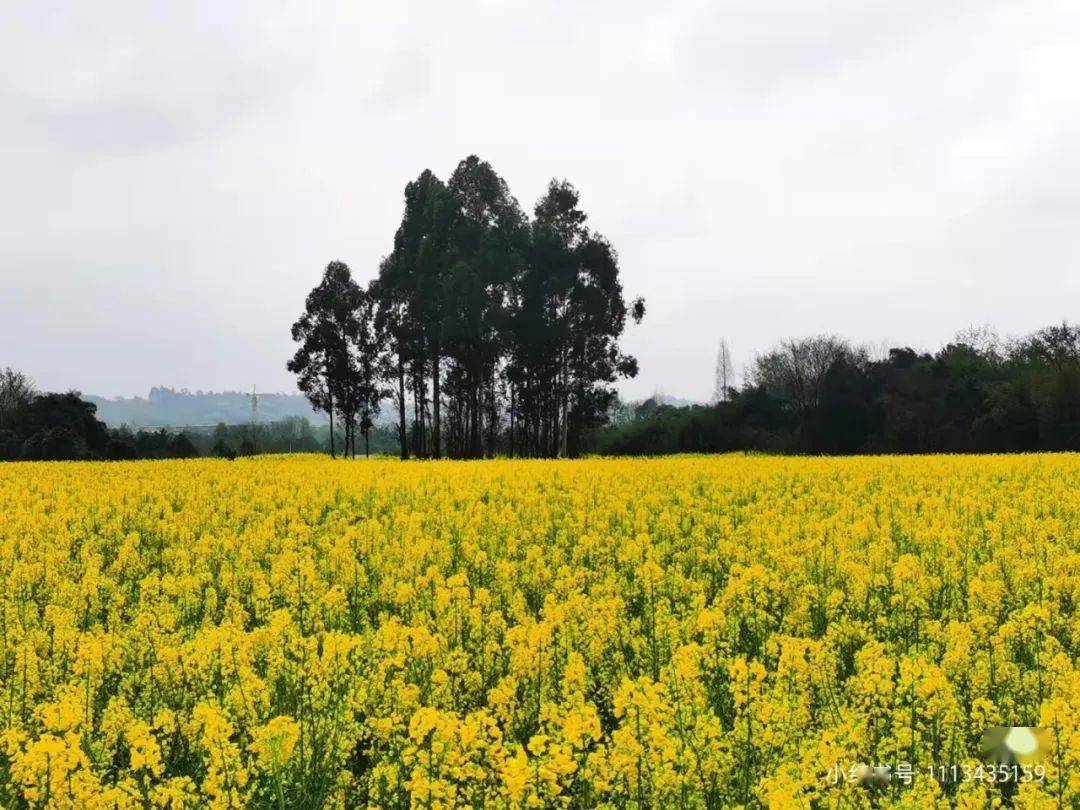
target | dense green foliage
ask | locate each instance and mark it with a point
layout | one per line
(50, 427)
(35, 426)
(821, 395)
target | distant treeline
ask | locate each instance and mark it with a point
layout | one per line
(49, 427)
(823, 395)
(814, 395)
(168, 407)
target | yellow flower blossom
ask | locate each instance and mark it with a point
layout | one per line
(679, 632)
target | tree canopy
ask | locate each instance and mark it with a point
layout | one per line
(823, 395)
(498, 331)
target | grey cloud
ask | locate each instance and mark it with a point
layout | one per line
(145, 75)
(176, 175)
(406, 80)
(762, 46)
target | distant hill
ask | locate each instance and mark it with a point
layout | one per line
(166, 407)
(625, 411)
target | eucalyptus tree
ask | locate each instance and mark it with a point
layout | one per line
(392, 324)
(511, 325)
(411, 288)
(366, 382)
(569, 313)
(323, 362)
(490, 239)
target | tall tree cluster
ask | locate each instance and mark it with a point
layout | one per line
(489, 330)
(336, 361)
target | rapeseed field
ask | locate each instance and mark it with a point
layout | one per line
(697, 632)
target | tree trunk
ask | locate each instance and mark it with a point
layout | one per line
(512, 400)
(418, 428)
(401, 411)
(330, 410)
(552, 448)
(436, 427)
(564, 405)
(422, 381)
(474, 438)
(493, 416)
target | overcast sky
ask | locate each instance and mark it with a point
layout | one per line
(175, 176)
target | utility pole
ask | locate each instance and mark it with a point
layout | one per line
(254, 416)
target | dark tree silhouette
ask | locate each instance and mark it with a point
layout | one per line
(365, 382)
(504, 330)
(325, 332)
(16, 393)
(972, 395)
